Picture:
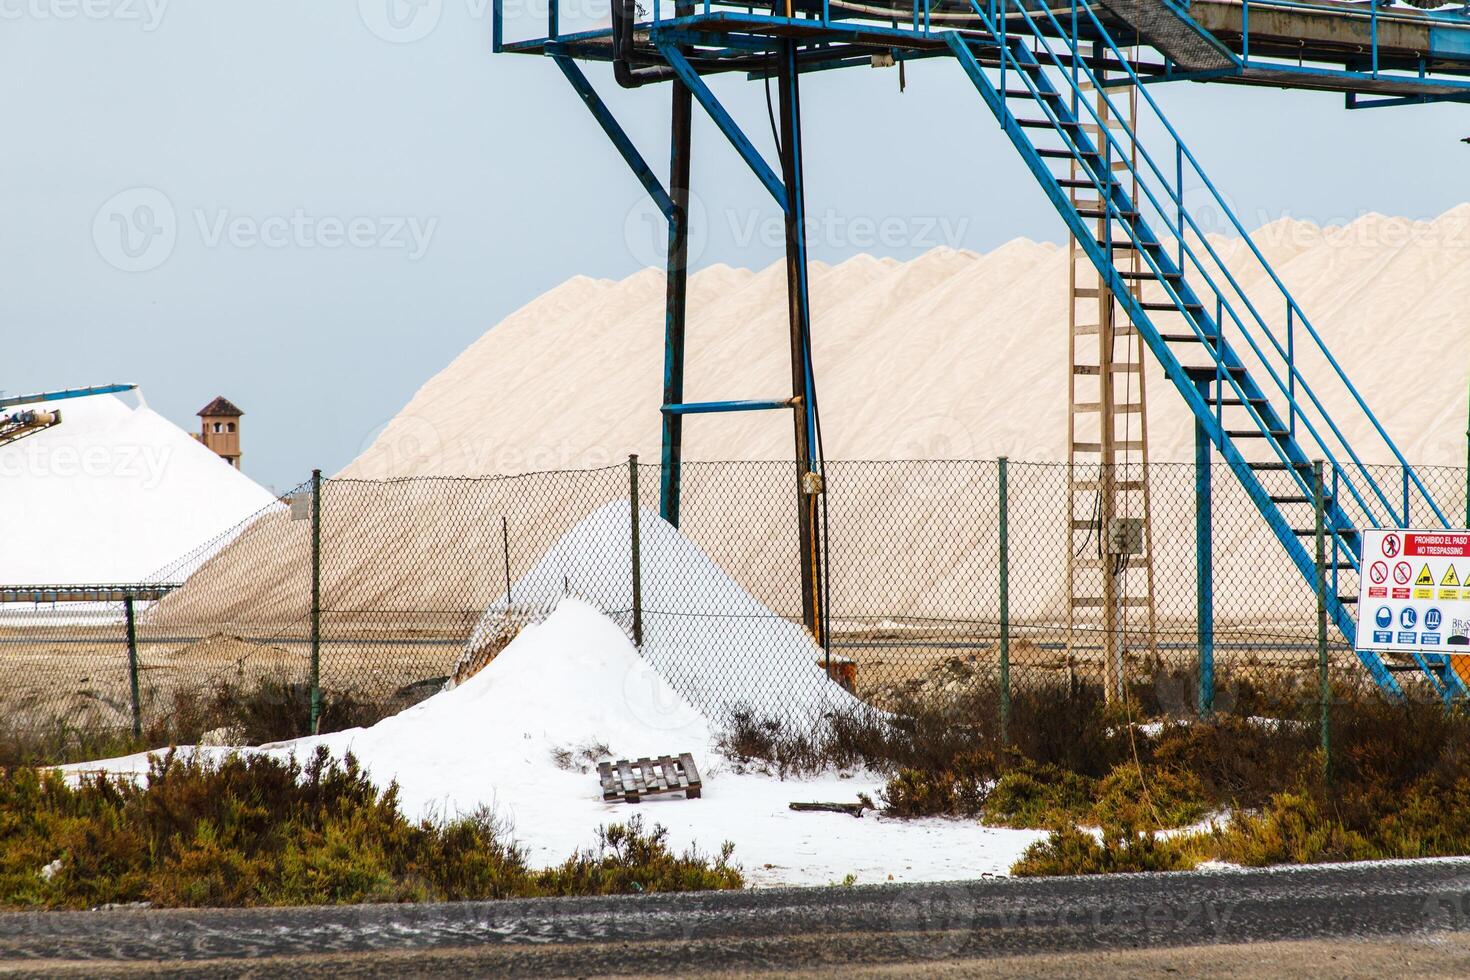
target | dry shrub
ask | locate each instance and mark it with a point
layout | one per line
(1069, 851)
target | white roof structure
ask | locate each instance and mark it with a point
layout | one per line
(112, 495)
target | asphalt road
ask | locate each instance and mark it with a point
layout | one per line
(1409, 918)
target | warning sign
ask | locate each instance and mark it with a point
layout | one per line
(1426, 608)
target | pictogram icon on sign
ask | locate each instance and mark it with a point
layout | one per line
(1426, 577)
(1390, 545)
(1402, 573)
(1408, 617)
(1449, 578)
(1378, 572)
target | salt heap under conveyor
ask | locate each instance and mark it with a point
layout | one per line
(714, 642)
(112, 495)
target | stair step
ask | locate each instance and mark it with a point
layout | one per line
(1210, 370)
(1188, 338)
(1279, 467)
(1235, 402)
(1172, 307)
(1311, 532)
(1090, 330)
(1026, 93)
(1088, 183)
(1127, 408)
(1127, 445)
(1117, 485)
(1104, 213)
(1149, 275)
(1130, 246)
(1048, 153)
(1289, 498)
(1256, 433)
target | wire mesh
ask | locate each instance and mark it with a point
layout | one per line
(424, 581)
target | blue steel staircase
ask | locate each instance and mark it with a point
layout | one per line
(1240, 375)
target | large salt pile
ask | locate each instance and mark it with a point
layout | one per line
(716, 643)
(521, 738)
(111, 495)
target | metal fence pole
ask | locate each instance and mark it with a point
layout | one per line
(637, 558)
(505, 550)
(316, 600)
(1005, 605)
(1323, 682)
(133, 666)
(1204, 557)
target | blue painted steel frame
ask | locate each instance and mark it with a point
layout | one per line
(1305, 563)
(615, 132)
(739, 405)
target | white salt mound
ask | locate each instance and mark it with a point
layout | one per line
(717, 644)
(574, 684)
(113, 494)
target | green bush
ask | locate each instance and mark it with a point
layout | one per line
(1069, 851)
(1148, 798)
(251, 830)
(1291, 830)
(1039, 796)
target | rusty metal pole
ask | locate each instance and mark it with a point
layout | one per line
(809, 488)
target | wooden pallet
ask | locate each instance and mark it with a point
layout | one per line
(631, 781)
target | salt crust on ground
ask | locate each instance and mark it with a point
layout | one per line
(574, 681)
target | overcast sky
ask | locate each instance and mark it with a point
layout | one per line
(311, 207)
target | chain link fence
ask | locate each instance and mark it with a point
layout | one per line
(942, 591)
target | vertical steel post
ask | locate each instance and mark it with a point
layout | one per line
(133, 667)
(1324, 684)
(636, 556)
(1204, 557)
(316, 601)
(676, 293)
(808, 487)
(1005, 603)
(1467, 467)
(505, 550)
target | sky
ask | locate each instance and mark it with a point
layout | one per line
(310, 208)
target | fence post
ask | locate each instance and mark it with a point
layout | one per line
(133, 667)
(316, 600)
(1323, 682)
(505, 550)
(1005, 605)
(637, 558)
(1204, 557)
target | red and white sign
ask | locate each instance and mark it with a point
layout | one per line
(1426, 608)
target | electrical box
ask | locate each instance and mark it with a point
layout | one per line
(1125, 536)
(301, 506)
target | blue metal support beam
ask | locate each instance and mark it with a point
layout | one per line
(56, 396)
(713, 408)
(721, 118)
(615, 132)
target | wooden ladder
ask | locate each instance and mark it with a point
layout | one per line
(1107, 431)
